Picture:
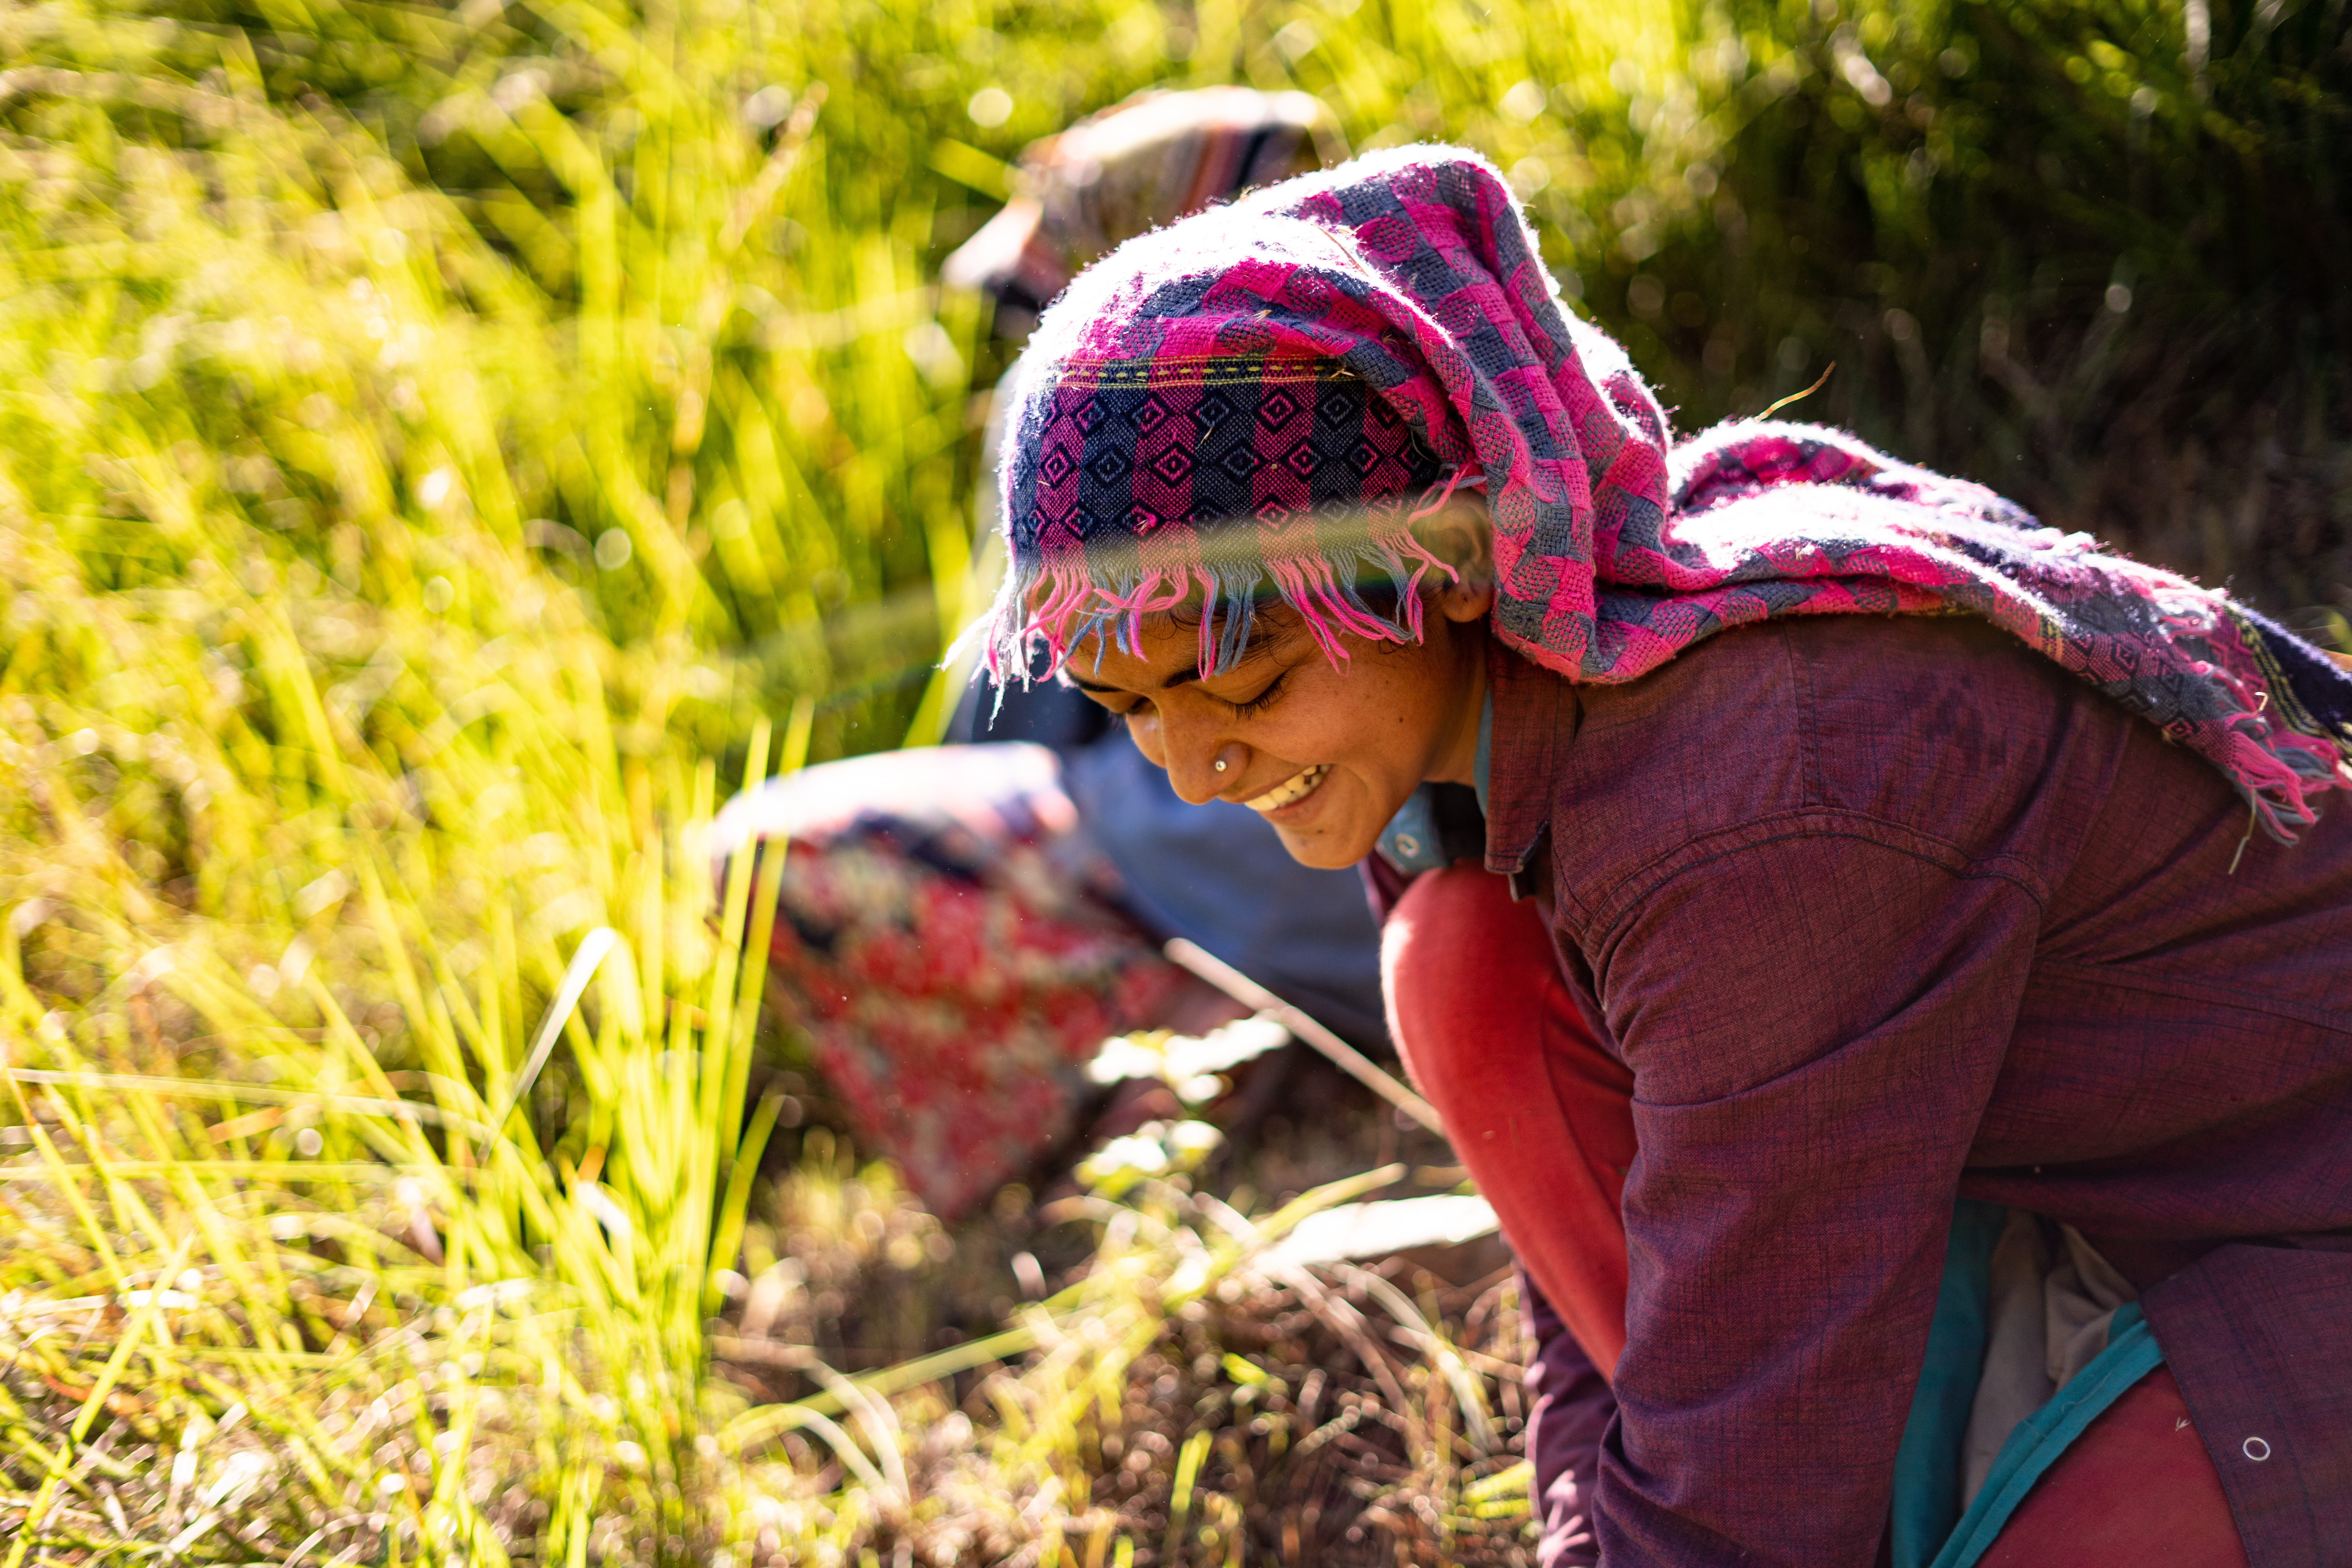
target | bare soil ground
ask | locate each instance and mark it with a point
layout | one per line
(1340, 1413)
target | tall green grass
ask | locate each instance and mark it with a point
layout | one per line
(444, 449)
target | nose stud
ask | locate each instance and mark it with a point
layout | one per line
(1220, 764)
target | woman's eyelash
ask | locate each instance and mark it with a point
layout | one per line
(1261, 702)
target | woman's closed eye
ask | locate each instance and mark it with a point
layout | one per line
(1122, 704)
(1250, 707)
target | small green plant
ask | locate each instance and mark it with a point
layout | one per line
(445, 1339)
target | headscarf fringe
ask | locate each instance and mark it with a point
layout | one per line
(1056, 606)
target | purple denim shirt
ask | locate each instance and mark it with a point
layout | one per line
(1884, 912)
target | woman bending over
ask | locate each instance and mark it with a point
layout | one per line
(1882, 958)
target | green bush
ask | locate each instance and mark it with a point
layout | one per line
(2060, 248)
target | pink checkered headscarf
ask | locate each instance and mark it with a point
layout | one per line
(1253, 403)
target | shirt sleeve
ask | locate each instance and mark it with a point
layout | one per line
(1815, 1018)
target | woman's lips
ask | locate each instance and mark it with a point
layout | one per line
(1291, 791)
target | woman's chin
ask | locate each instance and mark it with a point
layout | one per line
(1302, 822)
(1334, 824)
(1325, 852)
(1329, 838)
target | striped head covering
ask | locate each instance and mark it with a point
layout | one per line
(1254, 402)
(1124, 171)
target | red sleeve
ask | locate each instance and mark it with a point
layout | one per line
(1815, 1012)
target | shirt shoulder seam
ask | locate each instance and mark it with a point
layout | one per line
(2221, 996)
(1612, 907)
(1809, 728)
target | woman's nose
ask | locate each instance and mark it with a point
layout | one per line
(1200, 763)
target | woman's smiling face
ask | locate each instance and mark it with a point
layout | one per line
(1326, 754)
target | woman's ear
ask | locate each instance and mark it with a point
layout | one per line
(1460, 534)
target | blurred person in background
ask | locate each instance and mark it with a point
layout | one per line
(1893, 978)
(961, 926)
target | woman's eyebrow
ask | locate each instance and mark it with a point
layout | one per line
(1175, 678)
(1268, 644)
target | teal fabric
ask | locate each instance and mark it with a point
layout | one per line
(1928, 1528)
(1412, 841)
(2131, 1354)
(1928, 1465)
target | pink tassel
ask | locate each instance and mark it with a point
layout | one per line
(1157, 592)
(1292, 584)
(2269, 784)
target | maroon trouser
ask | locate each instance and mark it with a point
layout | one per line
(1542, 1115)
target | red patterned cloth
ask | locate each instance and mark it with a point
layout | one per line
(945, 941)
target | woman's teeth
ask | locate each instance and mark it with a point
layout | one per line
(1292, 791)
